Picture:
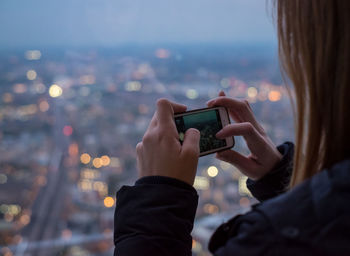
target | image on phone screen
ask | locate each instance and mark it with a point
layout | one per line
(208, 123)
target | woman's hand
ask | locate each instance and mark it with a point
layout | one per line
(160, 152)
(264, 155)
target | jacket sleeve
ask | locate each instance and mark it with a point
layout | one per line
(275, 182)
(155, 217)
(244, 235)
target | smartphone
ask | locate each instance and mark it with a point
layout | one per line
(208, 121)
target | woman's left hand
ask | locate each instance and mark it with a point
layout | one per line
(160, 152)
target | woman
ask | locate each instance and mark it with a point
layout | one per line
(304, 206)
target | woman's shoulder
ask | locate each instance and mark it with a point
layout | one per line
(317, 212)
(313, 218)
(326, 194)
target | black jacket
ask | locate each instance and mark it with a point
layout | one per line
(155, 216)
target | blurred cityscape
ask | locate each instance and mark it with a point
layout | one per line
(70, 121)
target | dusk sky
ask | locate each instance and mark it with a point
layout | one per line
(30, 23)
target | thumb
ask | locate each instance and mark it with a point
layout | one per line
(190, 145)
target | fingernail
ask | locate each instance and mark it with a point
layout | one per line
(210, 102)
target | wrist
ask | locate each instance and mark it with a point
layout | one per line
(164, 180)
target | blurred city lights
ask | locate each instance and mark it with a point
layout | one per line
(89, 174)
(196, 246)
(244, 202)
(67, 130)
(11, 209)
(133, 86)
(85, 185)
(262, 96)
(143, 109)
(44, 106)
(73, 149)
(97, 162)
(55, 91)
(115, 162)
(118, 101)
(31, 74)
(212, 171)
(242, 186)
(6, 251)
(85, 158)
(274, 95)
(7, 97)
(252, 92)
(191, 94)
(66, 233)
(3, 178)
(84, 91)
(41, 180)
(87, 79)
(105, 160)
(24, 219)
(39, 88)
(201, 183)
(108, 201)
(210, 208)
(30, 109)
(225, 165)
(33, 55)
(181, 136)
(225, 82)
(162, 53)
(8, 217)
(19, 88)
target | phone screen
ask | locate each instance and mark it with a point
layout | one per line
(207, 122)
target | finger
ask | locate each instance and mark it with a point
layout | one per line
(166, 110)
(222, 93)
(139, 151)
(233, 157)
(226, 102)
(240, 110)
(177, 107)
(232, 113)
(139, 148)
(190, 145)
(240, 129)
(254, 140)
(153, 122)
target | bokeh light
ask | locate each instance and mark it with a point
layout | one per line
(97, 162)
(19, 88)
(105, 160)
(133, 86)
(31, 74)
(192, 94)
(252, 92)
(44, 106)
(108, 201)
(274, 96)
(55, 91)
(67, 130)
(33, 55)
(85, 158)
(212, 171)
(162, 53)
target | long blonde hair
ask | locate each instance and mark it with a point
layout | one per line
(314, 51)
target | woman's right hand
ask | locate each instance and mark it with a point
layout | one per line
(264, 154)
